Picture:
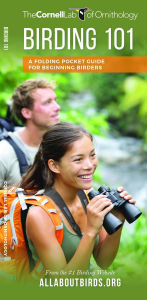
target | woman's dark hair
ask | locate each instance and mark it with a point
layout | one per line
(55, 143)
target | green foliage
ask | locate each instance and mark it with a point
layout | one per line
(134, 104)
(96, 124)
(123, 98)
(106, 88)
(10, 76)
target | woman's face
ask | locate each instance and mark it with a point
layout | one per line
(77, 166)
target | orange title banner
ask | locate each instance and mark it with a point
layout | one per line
(85, 64)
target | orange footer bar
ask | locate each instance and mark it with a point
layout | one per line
(85, 64)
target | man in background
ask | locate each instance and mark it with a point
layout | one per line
(34, 104)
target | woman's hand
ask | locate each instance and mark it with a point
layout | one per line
(97, 208)
(127, 197)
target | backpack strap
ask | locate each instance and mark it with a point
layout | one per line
(53, 194)
(45, 203)
(6, 125)
(23, 165)
(23, 223)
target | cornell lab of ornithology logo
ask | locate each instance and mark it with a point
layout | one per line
(81, 13)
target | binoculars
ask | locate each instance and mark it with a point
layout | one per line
(130, 211)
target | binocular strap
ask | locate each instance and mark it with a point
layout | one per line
(55, 196)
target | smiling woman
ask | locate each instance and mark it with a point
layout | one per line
(77, 166)
(65, 163)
